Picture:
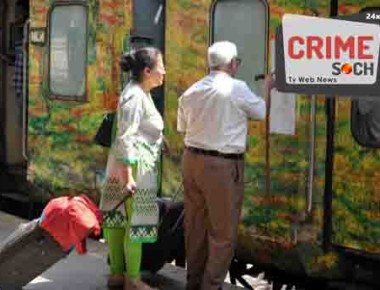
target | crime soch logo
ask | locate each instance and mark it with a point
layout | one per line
(323, 55)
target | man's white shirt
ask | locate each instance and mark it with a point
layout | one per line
(213, 113)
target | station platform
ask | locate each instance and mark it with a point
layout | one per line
(89, 272)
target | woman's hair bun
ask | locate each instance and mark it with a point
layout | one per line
(127, 62)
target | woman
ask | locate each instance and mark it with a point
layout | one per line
(132, 168)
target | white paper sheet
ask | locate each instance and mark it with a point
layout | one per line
(283, 107)
(283, 113)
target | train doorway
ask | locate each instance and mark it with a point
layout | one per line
(14, 16)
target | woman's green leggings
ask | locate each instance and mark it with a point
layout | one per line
(123, 251)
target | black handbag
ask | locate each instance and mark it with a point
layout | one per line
(103, 136)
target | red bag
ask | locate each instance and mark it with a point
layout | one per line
(70, 220)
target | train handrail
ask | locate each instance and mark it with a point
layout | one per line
(310, 174)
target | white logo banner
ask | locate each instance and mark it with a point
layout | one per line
(329, 51)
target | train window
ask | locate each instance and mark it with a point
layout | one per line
(244, 22)
(67, 66)
(365, 122)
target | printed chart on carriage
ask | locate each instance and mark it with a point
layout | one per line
(330, 51)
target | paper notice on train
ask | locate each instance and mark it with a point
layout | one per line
(282, 118)
(282, 113)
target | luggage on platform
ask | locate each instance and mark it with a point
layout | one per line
(170, 245)
(35, 246)
(25, 254)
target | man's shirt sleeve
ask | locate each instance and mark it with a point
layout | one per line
(181, 121)
(246, 100)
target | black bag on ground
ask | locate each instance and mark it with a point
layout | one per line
(170, 245)
(26, 253)
(103, 136)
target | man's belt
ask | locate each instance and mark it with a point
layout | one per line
(215, 153)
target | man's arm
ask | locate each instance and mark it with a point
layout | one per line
(181, 120)
(254, 106)
(251, 104)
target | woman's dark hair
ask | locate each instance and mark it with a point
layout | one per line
(138, 60)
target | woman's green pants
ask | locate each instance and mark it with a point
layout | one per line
(125, 255)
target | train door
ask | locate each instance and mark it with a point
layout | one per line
(13, 85)
(73, 47)
(75, 78)
(246, 23)
(280, 158)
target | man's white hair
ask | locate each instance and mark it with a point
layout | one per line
(221, 53)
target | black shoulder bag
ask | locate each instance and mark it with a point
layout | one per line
(103, 136)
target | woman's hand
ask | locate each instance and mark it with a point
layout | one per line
(130, 185)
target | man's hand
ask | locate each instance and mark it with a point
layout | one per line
(269, 81)
(166, 147)
(268, 85)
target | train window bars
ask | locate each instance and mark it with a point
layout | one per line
(67, 52)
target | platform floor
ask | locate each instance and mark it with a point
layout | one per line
(89, 272)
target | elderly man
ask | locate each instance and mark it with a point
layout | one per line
(213, 113)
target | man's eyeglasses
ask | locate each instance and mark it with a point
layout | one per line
(238, 60)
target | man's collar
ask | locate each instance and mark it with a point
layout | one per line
(219, 72)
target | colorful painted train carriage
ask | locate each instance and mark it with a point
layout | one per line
(312, 184)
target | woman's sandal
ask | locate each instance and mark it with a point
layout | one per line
(143, 286)
(115, 281)
(136, 285)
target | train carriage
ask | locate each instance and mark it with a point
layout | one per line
(312, 190)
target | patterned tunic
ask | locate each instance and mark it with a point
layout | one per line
(137, 142)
